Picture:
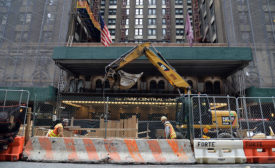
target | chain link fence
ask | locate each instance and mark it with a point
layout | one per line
(257, 116)
(224, 117)
(193, 116)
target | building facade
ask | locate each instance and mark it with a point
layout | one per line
(224, 30)
(251, 24)
(29, 31)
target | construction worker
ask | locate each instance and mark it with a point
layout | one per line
(58, 129)
(169, 131)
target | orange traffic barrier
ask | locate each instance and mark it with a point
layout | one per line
(14, 151)
(259, 151)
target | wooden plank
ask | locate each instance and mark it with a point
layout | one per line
(121, 132)
(126, 126)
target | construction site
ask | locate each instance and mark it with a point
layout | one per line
(219, 87)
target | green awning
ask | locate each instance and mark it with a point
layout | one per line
(170, 53)
(260, 92)
(188, 61)
(36, 93)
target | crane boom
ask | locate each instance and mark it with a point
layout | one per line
(170, 74)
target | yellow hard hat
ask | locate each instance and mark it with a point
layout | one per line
(163, 118)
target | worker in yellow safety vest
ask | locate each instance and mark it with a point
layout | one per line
(169, 132)
(58, 129)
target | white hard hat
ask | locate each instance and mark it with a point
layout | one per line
(65, 120)
(163, 118)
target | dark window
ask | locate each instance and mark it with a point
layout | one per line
(112, 11)
(113, 2)
(178, 2)
(98, 84)
(179, 21)
(179, 11)
(161, 84)
(107, 84)
(209, 88)
(111, 21)
(153, 85)
(190, 83)
(217, 87)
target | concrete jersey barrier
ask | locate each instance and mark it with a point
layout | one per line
(109, 150)
(219, 151)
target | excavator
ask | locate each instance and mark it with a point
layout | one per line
(125, 80)
(184, 119)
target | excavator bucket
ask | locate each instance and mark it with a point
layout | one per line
(128, 80)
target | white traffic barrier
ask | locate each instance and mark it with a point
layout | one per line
(219, 151)
(109, 150)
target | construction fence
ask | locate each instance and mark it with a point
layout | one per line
(235, 118)
(193, 116)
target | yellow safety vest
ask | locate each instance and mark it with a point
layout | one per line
(172, 131)
(55, 133)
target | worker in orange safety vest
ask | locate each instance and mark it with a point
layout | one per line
(169, 132)
(58, 129)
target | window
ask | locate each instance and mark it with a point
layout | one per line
(128, 2)
(138, 32)
(213, 27)
(102, 2)
(50, 18)
(127, 11)
(151, 21)
(163, 2)
(152, 11)
(179, 22)
(5, 3)
(163, 11)
(47, 36)
(4, 19)
(178, 11)
(152, 2)
(189, 2)
(243, 17)
(163, 21)
(139, 11)
(112, 11)
(21, 36)
(30, 2)
(111, 21)
(151, 32)
(51, 2)
(102, 12)
(112, 32)
(139, 2)
(113, 2)
(138, 21)
(178, 2)
(25, 18)
(163, 32)
(179, 32)
(245, 36)
(127, 21)
(127, 32)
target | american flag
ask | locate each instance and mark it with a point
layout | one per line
(106, 39)
(188, 30)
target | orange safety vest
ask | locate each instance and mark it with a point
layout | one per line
(55, 133)
(172, 131)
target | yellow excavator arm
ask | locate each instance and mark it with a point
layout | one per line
(157, 60)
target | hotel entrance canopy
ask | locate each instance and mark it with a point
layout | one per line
(188, 61)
